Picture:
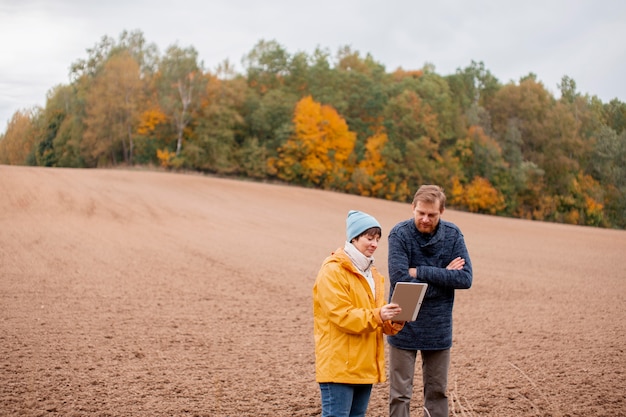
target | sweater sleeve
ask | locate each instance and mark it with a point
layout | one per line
(454, 247)
(398, 258)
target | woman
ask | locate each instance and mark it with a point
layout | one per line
(350, 317)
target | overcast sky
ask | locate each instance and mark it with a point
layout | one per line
(584, 39)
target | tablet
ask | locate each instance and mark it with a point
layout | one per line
(409, 296)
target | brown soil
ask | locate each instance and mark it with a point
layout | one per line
(133, 293)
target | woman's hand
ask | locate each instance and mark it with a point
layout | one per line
(389, 311)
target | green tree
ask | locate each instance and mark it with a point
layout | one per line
(213, 146)
(266, 66)
(180, 82)
(615, 112)
(567, 86)
(412, 153)
(360, 95)
(269, 115)
(324, 81)
(473, 89)
(62, 128)
(608, 166)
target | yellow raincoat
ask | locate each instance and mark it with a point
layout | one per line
(348, 330)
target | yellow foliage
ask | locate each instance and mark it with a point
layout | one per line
(319, 150)
(589, 191)
(593, 208)
(19, 139)
(457, 194)
(400, 74)
(149, 120)
(399, 191)
(372, 167)
(373, 161)
(482, 197)
(165, 157)
(572, 217)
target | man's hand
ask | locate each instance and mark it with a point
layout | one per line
(457, 263)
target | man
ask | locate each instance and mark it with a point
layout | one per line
(426, 249)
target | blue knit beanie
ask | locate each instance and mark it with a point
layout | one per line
(358, 222)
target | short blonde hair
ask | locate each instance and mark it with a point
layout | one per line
(430, 194)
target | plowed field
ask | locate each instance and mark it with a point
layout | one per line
(136, 293)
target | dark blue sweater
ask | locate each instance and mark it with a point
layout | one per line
(408, 248)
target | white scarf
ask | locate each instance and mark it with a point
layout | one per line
(362, 263)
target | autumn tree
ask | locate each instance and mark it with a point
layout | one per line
(370, 177)
(113, 110)
(548, 134)
(133, 43)
(319, 150)
(583, 204)
(378, 134)
(18, 142)
(479, 196)
(152, 128)
(528, 103)
(480, 155)
(65, 124)
(434, 91)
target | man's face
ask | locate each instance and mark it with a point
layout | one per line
(426, 216)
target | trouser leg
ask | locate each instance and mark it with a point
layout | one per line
(344, 400)
(435, 365)
(401, 372)
(360, 399)
(336, 399)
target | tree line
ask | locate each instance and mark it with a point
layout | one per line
(336, 122)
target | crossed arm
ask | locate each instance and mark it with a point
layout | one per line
(455, 264)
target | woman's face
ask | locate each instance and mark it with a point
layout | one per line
(367, 244)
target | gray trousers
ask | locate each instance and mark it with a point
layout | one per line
(435, 365)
